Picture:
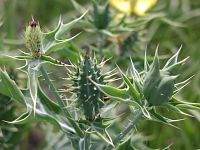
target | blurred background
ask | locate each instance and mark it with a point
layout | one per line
(178, 24)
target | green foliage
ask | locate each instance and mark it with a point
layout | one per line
(153, 87)
(9, 88)
(95, 110)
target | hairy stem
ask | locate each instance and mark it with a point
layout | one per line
(131, 125)
(61, 103)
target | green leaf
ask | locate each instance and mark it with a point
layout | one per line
(162, 119)
(49, 38)
(9, 88)
(184, 105)
(176, 109)
(189, 107)
(61, 103)
(53, 40)
(77, 6)
(132, 90)
(48, 59)
(23, 118)
(112, 91)
(125, 145)
(44, 116)
(49, 104)
(64, 28)
(103, 134)
(54, 46)
(32, 84)
(174, 59)
(145, 112)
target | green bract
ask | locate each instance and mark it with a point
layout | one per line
(159, 84)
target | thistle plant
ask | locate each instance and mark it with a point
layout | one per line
(144, 92)
(40, 45)
(57, 112)
(81, 113)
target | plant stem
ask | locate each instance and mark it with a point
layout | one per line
(126, 130)
(87, 141)
(61, 103)
(102, 39)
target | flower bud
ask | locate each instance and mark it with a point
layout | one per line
(100, 15)
(33, 39)
(158, 84)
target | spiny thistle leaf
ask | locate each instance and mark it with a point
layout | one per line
(101, 130)
(9, 88)
(53, 40)
(184, 105)
(134, 93)
(49, 104)
(112, 91)
(32, 85)
(21, 119)
(159, 118)
(77, 6)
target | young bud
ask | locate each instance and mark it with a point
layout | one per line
(100, 15)
(158, 84)
(33, 39)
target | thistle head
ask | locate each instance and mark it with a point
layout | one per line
(159, 84)
(33, 38)
(90, 98)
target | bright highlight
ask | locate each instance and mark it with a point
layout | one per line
(138, 7)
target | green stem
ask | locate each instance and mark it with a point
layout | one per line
(131, 125)
(102, 39)
(61, 103)
(87, 141)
